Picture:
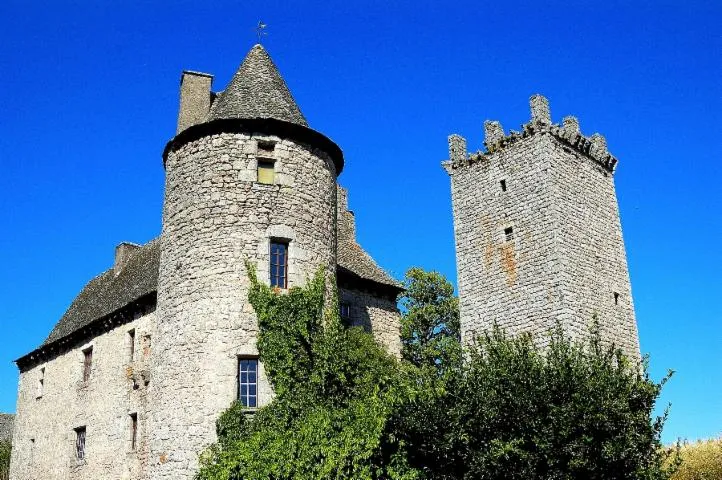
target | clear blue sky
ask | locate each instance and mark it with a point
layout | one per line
(89, 92)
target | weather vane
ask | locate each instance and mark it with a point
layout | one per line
(261, 30)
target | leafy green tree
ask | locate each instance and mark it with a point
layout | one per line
(429, 321)
(335, 390)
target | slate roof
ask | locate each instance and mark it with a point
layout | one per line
(108, 293)
(7, 420)
(257, 90)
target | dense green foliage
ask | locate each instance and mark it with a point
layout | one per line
(5, 448)
(700, 460)
(344, 409)
(430, 321)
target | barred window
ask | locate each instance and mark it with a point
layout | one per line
(80, 443)
(279, 264)
(87, 363)
(248, 382)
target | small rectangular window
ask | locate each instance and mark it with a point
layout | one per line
(131, 343)
(146, 346)
(87, 363)
(41, 382)
(503, 185)
(133, 431)
(266, 147)
(616, 298)
(509, 234)
(345, 312)
(80, 443)
(279, 264)
(266, 171)
(248, 382)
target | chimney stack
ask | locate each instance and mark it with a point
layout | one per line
(123, 253)
(195, 99)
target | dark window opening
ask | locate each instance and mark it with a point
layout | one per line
(279, 264)
(345, 312)
(266, 147)
(248, 382)
(87, 363)
(509, 234)
(80, 443)
(131, 339)
(616, 298)
(133, 431)
(503, 185)
(41, 382)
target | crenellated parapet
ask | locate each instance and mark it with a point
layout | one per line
(569, 133)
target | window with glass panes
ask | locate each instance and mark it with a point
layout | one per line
(279, 264)
(248, 382)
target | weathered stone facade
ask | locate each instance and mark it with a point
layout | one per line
(186, 292)
(54, 400)
(538, 236)
(7, 421)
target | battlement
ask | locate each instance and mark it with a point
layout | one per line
(569, 133)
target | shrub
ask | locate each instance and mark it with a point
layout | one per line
(701, 460)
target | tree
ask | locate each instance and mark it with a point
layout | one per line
(344, 409)
(5, 448)
(429, 321)
(701, 460)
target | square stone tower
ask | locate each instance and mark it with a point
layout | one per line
(538, 236)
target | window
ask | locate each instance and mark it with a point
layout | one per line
(248, 382)
(41, 382)
(131, 342)
(503, 185)
(509, 234)
(616, 298)
(345, 312)
(87, 363)
(266, 171)
(133, 431)
(279, 264)
(80, 443)
(146, 346)
(32, 451)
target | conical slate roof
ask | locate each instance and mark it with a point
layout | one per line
(257, 91)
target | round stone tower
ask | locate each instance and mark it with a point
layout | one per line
(246, 180)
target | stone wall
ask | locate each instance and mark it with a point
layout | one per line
(376, 314)
(538, 237)
(44, 441)
(216, 216)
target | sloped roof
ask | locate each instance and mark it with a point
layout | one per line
(109, 292)
(257, 90)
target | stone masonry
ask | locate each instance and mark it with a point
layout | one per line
(538, 236)
(181, 299)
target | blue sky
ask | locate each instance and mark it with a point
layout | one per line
(89, 92)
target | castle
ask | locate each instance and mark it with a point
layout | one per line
(130, 381)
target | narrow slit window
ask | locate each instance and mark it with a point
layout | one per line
(41, 382)
(133, 431)
(87, 363)
(266, 171)
(509, 234)
(279, 264)
(80, 443)
(131, 343)
(248, 382)
(502, 183)
(616, 298)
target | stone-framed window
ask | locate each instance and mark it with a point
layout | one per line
(41, 383)
(87, 363)
(133, 432)
(248, 381)
(279, 264)
(266, 171)
(509, 234)
(502, 184)
(131, 345)
(80, 435)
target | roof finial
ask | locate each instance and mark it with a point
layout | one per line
(260, 30)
